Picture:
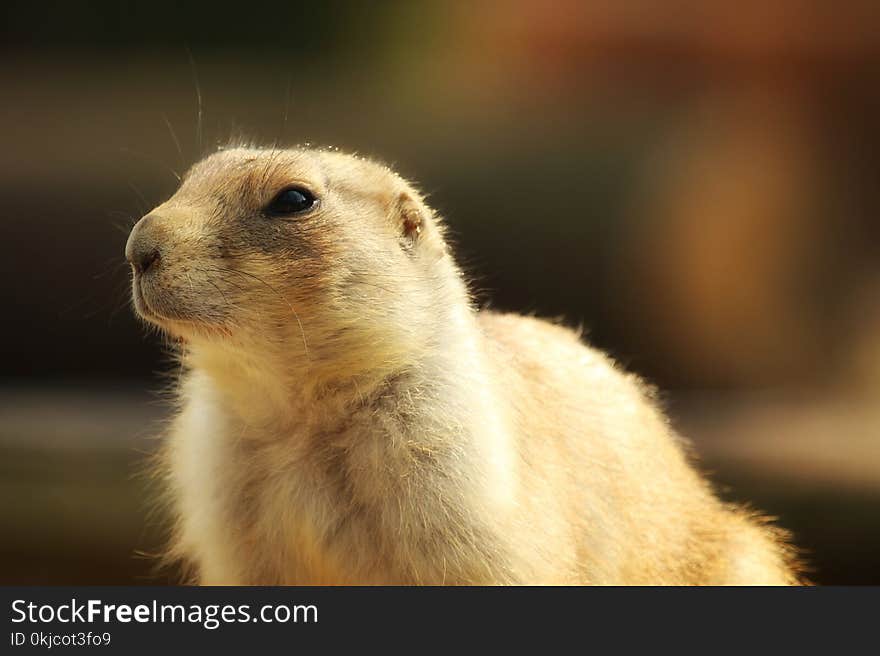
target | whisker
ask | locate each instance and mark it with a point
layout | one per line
(176, 141)
(113, 265)
(195, 75)
(280, 139)
(220, 291)
(281, 296)
(143, 201)
(151, 160)
(121, 228)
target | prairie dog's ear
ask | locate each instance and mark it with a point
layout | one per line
(412, 218)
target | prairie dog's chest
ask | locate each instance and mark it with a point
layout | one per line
(252, 506)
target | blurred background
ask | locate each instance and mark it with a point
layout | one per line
(695, 182)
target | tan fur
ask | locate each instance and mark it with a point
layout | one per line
(347, 416)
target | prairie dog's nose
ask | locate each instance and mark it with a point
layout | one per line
(142, 248)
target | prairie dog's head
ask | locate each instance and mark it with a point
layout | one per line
(322, 257)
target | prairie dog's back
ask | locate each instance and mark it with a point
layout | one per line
(597, 434)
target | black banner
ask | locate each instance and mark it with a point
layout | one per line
(132, 620)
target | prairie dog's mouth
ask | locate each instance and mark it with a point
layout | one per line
(140, 300)
(145, 307)
(157, 308)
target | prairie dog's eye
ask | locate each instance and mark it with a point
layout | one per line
(292, 200)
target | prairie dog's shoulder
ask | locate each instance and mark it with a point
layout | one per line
(547, 351)
(559, 385)
(509, 328)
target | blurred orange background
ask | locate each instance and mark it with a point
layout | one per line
(696, 183)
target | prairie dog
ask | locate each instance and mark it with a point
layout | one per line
(348, 417)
